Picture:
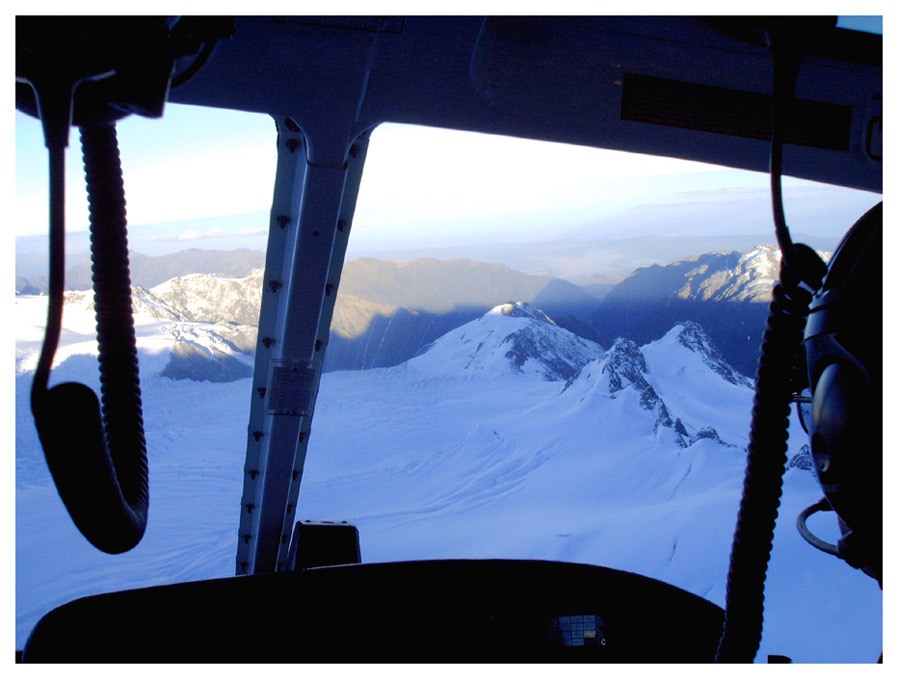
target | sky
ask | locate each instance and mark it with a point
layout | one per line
(203, 178)
(198, 163)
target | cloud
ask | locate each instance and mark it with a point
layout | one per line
(194, 235)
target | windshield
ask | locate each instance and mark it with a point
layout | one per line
(538, 351)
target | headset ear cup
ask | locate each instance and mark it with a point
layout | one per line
(843, 345)
(843, 432)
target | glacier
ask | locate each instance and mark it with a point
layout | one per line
(508, 437)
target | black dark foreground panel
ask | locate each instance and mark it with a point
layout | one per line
(430, 611)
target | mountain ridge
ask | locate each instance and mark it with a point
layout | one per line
(726, 293)
(387, 311)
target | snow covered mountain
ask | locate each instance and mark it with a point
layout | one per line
(182, 315)
(727, 293)
(719, 276)
(145, 271)
(509, 437)
(212, 298)
(512, 338)
(387, 311)
(682, 366)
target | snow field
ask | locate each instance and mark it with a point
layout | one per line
(432, 459)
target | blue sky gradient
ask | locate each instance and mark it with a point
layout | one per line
(202, 178)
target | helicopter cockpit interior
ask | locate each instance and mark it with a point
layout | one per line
(786, 96)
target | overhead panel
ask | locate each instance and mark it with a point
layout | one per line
(706, 108)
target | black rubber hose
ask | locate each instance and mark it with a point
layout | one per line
(98, 460)
(120, 387)
(57, 281)
(766, 459)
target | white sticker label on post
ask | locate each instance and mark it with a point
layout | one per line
(290, 388)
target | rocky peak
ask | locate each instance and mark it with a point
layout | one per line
(560, 354)
(694, 338)
(522, 310)
(211, 298)
(625, 366)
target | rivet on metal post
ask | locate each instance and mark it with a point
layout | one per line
(282, 221)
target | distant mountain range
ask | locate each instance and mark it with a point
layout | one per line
(596, 265)
(727, 293)
(145, 271)
(388, 311)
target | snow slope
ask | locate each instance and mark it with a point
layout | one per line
(508, 438)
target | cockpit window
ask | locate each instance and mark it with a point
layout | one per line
(538, 351)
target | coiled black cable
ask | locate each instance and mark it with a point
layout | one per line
(766, 459)
(119, 373)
